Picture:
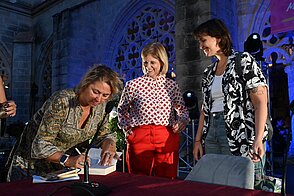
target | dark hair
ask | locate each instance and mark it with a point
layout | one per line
(216, 28)
(101, 73)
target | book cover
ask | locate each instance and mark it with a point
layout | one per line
(95, 168)
(58, 176)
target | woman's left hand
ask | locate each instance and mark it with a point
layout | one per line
(108, 152)
(179, 126)
(10, 109)
(257, 149)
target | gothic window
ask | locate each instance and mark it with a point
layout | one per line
(278, 48)
(44, 80)
(151, 24)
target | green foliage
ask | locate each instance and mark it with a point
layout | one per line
(121, 142)
(113, 126)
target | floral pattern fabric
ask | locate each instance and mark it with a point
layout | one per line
(55, 128)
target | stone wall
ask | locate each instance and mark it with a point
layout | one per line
(23, 33)
(15, 56)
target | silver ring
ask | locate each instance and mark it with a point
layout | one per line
(107, 154)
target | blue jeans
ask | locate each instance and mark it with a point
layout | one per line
(216, 141)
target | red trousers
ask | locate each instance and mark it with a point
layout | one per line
(153, 150)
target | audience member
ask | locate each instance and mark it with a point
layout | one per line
(7, 108)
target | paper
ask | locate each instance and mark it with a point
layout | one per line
(38, 179)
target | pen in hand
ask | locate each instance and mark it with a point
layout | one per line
(78, 151)
(80, 163)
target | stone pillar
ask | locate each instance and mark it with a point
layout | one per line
(22, 75)
(61, 23)
(190, 61)
(290, 70)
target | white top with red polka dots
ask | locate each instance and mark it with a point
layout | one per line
(146, 101)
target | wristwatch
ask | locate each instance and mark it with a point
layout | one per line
(63, 159)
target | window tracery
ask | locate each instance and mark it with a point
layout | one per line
(150, 24)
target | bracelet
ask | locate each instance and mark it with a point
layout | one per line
(197, 140)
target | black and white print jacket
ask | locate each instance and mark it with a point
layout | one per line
(239, 122)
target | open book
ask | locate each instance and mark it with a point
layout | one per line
(95, 168)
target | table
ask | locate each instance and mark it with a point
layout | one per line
(129, 184)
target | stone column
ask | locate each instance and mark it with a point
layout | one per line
(290, 70)
(190, 61)
(22, 75)
(60, 51)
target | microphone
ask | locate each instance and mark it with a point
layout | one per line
(87, 187)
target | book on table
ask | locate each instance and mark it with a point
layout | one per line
(97, 169)
(57, 176)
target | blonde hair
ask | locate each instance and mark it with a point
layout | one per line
(101, 73)
(158, 51)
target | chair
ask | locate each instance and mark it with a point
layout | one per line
(226, 170)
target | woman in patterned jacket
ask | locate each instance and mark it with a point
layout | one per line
(67, 119)
(146, 113)
(225, 126)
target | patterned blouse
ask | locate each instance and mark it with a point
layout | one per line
(146, 101)
(240, 125)
(55, 128)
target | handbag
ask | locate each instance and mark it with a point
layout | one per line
(266, 182)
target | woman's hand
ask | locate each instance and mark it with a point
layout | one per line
(197, 150)
(76, 161)
(10, 109)
(108, 152)
(257, 149)
(179, 126)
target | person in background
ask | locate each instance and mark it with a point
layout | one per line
(152, 113)
(67, 119)
(224, 127)
(8, 108)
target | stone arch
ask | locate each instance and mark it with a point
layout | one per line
(278, 54)
(43, 80)
(140, 23)
(272, 43)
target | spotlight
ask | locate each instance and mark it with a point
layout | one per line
(253, 45)
(190, 100)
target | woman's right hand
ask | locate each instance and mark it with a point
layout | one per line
(198, 150)
(76, 161)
